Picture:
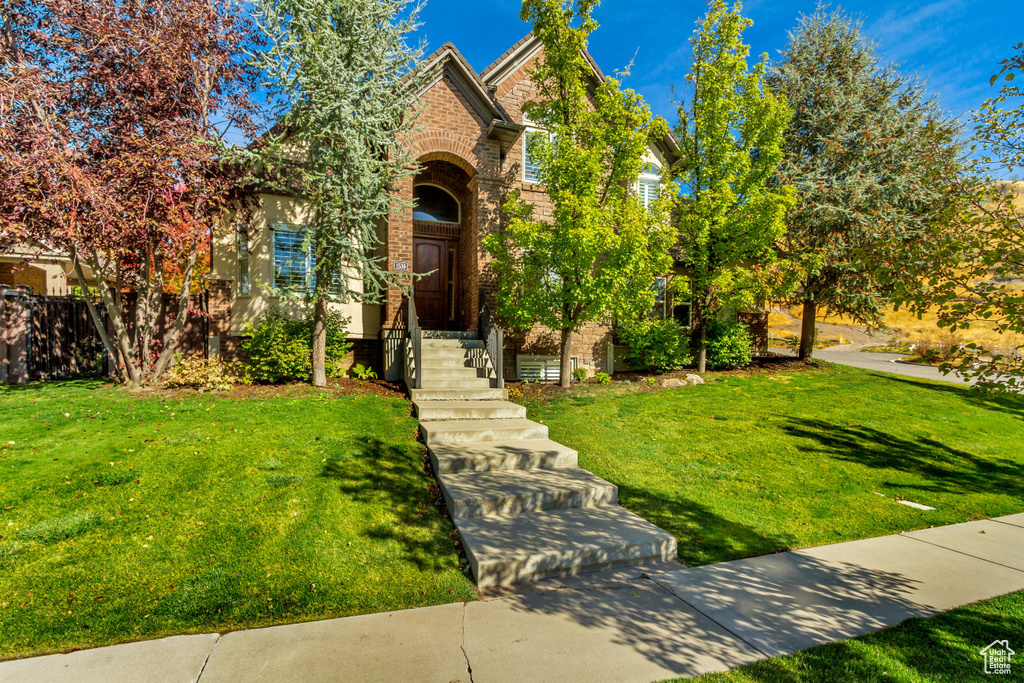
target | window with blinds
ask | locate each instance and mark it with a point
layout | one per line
(531, 169)
(648, 185)
(295, 260)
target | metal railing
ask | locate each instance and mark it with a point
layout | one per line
(494, 340)
(413, 362)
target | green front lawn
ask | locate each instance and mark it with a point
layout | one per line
(942, 648)
(126, 516)
(754, 464)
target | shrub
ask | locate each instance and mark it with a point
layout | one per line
(279, 349)
(579, 375)
(729, 346)
(364, 373)
(603, 378)
(657, 345)
(515, 394)
(205, 374)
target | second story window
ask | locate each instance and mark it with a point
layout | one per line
(531, 168)
(648, 185)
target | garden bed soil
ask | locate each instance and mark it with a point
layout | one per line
(761, 365)
(344, 386)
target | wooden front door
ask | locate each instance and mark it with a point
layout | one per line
(436, 291)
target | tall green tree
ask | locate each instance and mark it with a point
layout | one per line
(344, 81)
(729, 213)
(867, 149)
(601, 247)
(976, 263)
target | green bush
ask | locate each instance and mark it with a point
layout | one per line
(579, 375)
(603, 378)
(205, 374)
(279, 348)
(657, 345)
(729, 346)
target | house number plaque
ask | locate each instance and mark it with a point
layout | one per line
(400, 265)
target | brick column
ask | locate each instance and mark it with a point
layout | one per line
(17, 330)
(399, 250)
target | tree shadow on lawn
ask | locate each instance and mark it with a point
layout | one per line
(392, 478)
(948, 470)
(943, 647)
(1011, 404)
(703, 535)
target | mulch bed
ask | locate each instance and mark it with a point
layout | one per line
(762, 365)
(343, 386)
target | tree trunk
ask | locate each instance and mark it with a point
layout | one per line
(124, 344)
(320, 339)
(807, 330)
(702, 345)
(171, 338)
(565, 371)
(101, 329)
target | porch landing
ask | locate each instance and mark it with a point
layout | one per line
(523, 507)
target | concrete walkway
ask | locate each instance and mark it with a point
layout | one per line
(622, 625)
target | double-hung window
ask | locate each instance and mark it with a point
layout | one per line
(660, 288)
(295, 260)
(648, 185)
(531, 167)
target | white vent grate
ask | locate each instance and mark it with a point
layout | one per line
(541, 368)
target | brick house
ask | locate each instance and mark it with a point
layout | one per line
(472, 152)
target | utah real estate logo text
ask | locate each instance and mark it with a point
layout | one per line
(997, 657)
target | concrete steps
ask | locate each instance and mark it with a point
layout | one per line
(468, 410)
(512, 549)
(493, 456)
(523, 507)
(515, 492)
(449, 383)
(454, 394)
(450, 372)
(461, 431)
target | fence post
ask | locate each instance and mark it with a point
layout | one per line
(18, 330)
(3, 339)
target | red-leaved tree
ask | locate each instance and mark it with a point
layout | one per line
(113, 117)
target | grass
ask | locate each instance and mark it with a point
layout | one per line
(941, 648)
(754, 464)
(126, 516)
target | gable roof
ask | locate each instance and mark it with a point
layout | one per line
(467, 81)
(519, 54)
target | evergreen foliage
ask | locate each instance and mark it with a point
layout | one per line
(344, 82)
(730, 211)
(601, 249)
(867, 151)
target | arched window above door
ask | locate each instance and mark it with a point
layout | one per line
(435, 205)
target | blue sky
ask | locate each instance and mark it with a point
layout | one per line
(955, 44)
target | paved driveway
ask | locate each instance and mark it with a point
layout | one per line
(883, 362)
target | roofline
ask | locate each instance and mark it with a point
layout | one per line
(507, 64)
(449, 53)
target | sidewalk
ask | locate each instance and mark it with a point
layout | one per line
(618, 626)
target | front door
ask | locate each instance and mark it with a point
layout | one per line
(435, 260)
